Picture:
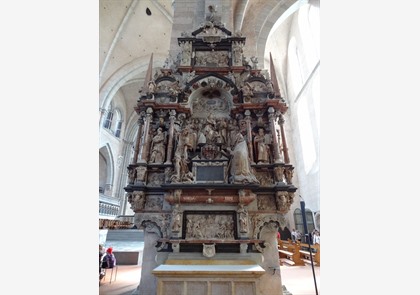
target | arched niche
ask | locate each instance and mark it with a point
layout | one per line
(210, 98)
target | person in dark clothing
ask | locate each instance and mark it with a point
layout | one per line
(108, 260)
(101, 253)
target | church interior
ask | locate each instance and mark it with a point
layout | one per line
(209, 134)
(76, 80)
(135, 33)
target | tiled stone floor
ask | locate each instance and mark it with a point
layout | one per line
(298, 280)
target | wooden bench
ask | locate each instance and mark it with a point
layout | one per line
(305, 254)
(289, 253)
(285, 245)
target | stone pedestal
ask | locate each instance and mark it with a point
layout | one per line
(208, 279)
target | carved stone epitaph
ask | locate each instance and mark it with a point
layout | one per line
(211, 176)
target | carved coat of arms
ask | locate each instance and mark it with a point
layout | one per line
(209, 250)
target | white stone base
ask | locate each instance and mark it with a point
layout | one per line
(208, 279)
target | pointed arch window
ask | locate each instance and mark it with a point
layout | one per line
(108, 120)
(297, 215)
(118, 129)
(117, 123)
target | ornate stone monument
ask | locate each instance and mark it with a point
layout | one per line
(211, 180)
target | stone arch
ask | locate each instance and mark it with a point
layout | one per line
(207, 98)
(124, 75)
(216, 75)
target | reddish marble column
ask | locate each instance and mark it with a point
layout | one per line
(171, 137)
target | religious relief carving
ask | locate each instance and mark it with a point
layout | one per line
(237, 50)
(131, 174)
(243, 219)
(283, 201)
(140, 174)
(269, 87)
(279, 173)
(266, 203)
(137, 200)
(213, 15)
(264, 178)
(154, 203)
(176, 219)
(254, 61)
(210, 102)
(174, 91)
(155, 178)
(209, 133)
(211, 59)
(187, 77)
(247, 92)
(151, 88)
(246, 196)
(209, 227)
(186, 47)
(163, 86)
(232, 130)
(158, 147)
(288, 173)
(259, 86)
(174, 196)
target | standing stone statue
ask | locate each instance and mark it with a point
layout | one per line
(158, 147)
(185, 143)
(261, 147)
(176, 219)
(243, 219)
(240, 168)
